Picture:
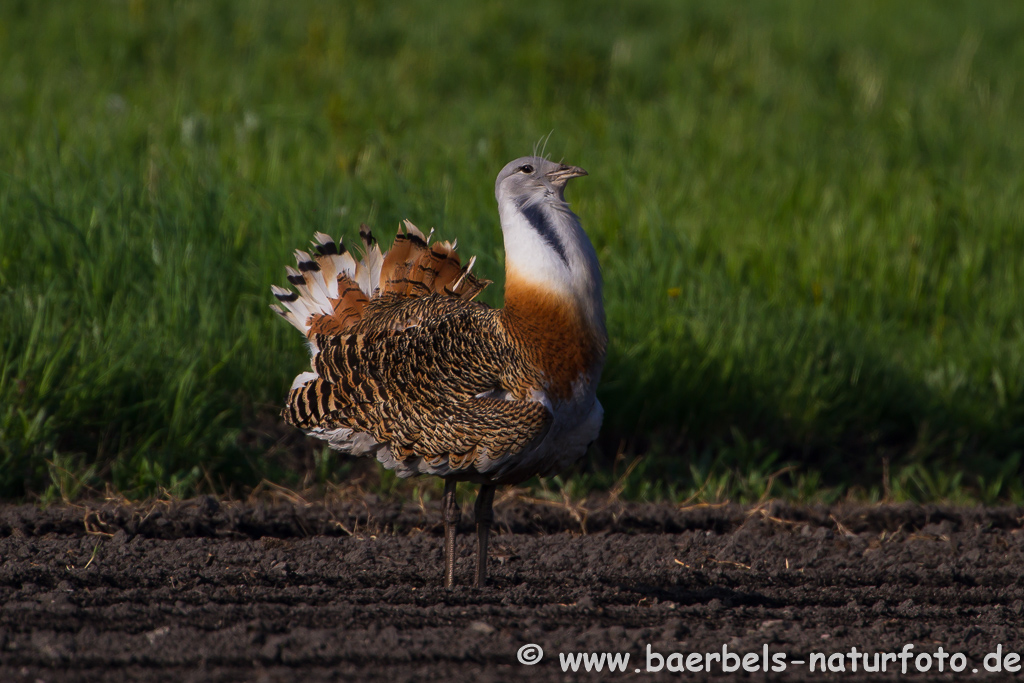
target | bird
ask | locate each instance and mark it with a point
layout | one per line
(408, 368)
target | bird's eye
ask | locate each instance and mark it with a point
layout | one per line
(526, 169)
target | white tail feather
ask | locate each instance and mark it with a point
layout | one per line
(314, 278)
(373, 259)
(410, 228)
(297, 308)
(348, 265)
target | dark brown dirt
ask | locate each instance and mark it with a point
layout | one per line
(208, 591)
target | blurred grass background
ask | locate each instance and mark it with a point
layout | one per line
(810, 218)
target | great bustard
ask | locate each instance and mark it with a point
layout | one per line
(408, 368)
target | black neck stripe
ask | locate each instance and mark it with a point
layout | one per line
(541, 223)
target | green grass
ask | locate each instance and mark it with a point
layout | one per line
(809, 217)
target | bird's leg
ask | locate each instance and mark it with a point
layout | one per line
(484, 516)
(450, 511)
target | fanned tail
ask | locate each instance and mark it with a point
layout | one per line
(333, 288)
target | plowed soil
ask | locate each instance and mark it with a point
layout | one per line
(209, 591)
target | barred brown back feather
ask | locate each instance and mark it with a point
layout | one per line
(410, 373)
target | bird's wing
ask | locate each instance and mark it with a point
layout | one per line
(420, 375)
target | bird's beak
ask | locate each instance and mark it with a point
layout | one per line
(562, 175)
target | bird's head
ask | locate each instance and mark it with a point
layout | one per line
(534, 178)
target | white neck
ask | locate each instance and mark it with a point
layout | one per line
(559, 259)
